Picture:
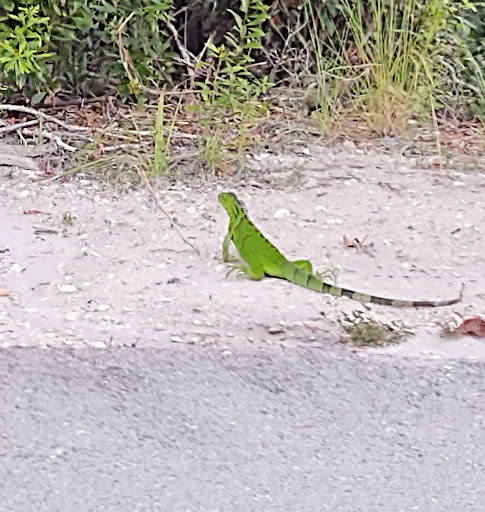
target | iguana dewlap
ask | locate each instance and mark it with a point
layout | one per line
(263, 258)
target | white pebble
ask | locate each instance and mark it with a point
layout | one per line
(281, 213)
(67, 288)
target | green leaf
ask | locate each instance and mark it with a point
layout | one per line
(38, 97)
(256, 33)
(237, 19)
(245, 6)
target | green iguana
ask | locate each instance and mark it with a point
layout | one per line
(263, 258)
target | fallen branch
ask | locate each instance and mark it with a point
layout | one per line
(45, 117)
(54, 137)
(17, 126)
(188, 59)
(22, 162)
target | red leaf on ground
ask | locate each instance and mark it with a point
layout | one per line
(475, 325)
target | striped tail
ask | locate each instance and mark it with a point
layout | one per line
(302, 278)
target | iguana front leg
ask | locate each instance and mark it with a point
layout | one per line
(227, 240)
(225, 247)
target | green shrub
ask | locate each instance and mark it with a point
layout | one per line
(24, 44)
(231, 95)
(77, 44)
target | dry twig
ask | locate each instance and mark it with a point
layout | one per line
(125, 56)
(53, 136)
(188, 59)
(173, 225)
(45, 117)
(17, 126)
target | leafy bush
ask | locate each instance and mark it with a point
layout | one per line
(24, 49)
(369, 54)
(79, 44)
(231, 94)
(228, 81)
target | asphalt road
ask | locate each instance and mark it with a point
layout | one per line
(199, 430)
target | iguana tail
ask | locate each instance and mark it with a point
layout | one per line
(298, 276)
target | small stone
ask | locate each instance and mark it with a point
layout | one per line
(276, 330)
(282, 212)
(67, 288)
(349, 145)
(97, 344)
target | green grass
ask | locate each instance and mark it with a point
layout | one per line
(388, 64)
(160, 163)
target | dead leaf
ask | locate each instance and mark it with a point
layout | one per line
(361, 245)
(32, 212)
(475, 325)
(5, 293)
(48, 173)
(347, 241)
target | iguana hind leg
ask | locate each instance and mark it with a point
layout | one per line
(305, 265)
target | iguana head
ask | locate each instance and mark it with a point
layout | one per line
(231, 203)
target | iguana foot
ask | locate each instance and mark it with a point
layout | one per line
(245, 270)
(327, 275)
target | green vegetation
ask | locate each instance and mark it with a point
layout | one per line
(367, 332)
(68, 219)
(393, 61)
(163, 137)
(231, 103)
(389, 64)
(24, 50)
(79, 45)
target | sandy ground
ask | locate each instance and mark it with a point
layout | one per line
(119, 275)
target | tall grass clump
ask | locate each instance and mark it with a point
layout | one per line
(390, 61)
